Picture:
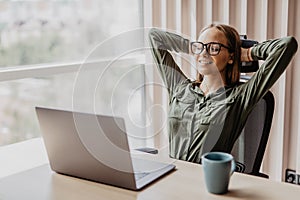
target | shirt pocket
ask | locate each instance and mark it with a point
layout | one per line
(204, 115)
(219, 110)
(181, 108)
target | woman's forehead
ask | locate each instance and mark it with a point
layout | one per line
(212, 35)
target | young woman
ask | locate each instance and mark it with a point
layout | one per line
(209, 114)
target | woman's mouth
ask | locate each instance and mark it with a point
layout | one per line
(205, 62)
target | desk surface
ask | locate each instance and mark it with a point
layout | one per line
(185, 183)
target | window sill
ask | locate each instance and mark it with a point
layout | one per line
(29, 71)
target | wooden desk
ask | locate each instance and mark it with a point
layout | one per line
(185, 183)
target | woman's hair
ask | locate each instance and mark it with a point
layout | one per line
(232, 72)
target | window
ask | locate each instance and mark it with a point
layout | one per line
(45, 45)
(39, 31)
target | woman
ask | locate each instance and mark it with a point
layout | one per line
(209, 114)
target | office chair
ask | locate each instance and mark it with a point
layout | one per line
(250, 147)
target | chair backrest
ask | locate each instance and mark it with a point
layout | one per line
(250, 147)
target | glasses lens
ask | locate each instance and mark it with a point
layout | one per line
(197, 47)
(214, 49)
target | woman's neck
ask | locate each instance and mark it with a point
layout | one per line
(211, 84)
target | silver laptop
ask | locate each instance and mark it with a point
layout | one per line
(95, 147)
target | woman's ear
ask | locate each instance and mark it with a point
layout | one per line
(231, 57)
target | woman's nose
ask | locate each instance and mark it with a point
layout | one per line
(204, 52)
(201, 55)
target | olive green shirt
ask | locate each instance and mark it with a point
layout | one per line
(199, 123)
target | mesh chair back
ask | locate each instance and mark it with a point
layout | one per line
(250, 147)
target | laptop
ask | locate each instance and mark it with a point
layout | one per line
(95, 147)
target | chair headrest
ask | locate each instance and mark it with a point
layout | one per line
(246, 67)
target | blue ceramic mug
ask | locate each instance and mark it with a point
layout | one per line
(218, 168)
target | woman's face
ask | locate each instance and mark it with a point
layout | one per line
(207, 64)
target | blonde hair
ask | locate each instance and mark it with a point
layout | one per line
(232, 73)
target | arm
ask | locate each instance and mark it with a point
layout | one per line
(277, 54)
(161, 42)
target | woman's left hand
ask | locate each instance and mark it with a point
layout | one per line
(246, 55)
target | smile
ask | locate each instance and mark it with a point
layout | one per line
(205, 62)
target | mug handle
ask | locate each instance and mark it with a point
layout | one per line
(233, 165)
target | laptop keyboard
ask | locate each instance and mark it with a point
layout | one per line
(140, 175)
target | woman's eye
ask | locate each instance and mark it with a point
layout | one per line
(214, 48)
(197, 48)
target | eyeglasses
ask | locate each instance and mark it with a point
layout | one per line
(212, 48)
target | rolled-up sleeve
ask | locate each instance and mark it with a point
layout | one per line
(161, 43)
(277, 55)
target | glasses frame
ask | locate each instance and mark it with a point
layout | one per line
(207, 47)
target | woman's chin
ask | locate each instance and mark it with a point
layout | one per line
(207, 69)
(204, 70)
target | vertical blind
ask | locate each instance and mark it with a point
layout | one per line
(259, 20)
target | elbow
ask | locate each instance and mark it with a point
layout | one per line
(153, 33)
(155, 38)
(153, 30)
(292, 44)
